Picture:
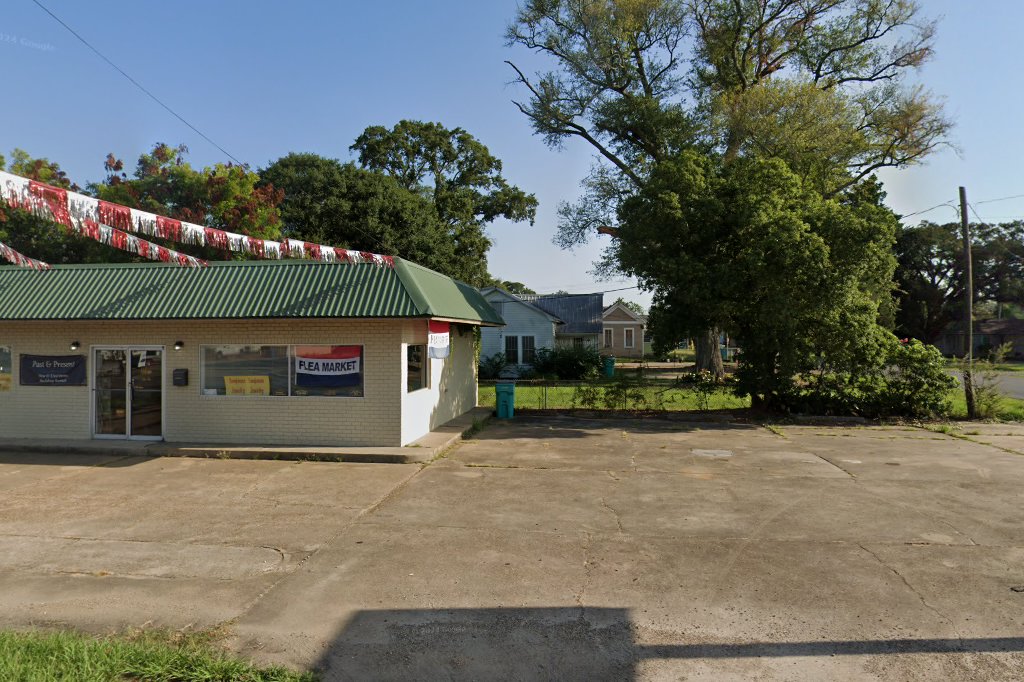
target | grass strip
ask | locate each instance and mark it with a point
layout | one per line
(151, 655)
(561, 398)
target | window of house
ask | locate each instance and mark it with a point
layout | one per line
(648, 338)
(512, 350)
(529, 350)
(254, 370)
(416, 368)
(577, 342)
(627, 339)
(608, 338)
(5, 368)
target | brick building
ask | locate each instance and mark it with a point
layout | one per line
(287, 352)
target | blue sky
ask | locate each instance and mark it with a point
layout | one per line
(265, 78)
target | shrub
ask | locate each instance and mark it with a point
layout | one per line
(624, 394)
(568, 362)
(915, 383)
(492, 366)
(586, 396)
(911, 381)
(705, 384)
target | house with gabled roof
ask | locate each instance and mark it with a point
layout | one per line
(623, 332)
(527, 329)
(579, 315)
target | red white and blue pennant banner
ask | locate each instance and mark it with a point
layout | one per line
(118, 226)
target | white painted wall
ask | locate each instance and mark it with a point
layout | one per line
(521, 320)
(452, 388)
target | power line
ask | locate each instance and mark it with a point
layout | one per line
(136, 83)
(992, 201)
(606, 291)
(907, 215)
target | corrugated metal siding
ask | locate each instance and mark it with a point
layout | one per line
(223, 290)
(580, 312)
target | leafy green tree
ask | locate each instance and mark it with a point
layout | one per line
(818, 84)
(631, 305)
(515, 287)
(339, 204)
(930, 279)
(793, 275)
(40, 238)
(458, 174)
(225, 196)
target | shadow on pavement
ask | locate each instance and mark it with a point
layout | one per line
(559, 643)
(574, 426)
(107, 460)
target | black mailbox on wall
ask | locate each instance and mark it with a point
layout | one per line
(180, 377)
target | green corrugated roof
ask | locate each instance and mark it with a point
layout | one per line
(237, 290)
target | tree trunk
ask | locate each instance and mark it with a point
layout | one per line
(709, 357)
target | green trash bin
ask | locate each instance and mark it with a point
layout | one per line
(505, 400)
(609, 366)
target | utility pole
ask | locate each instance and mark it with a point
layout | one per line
(972, 410)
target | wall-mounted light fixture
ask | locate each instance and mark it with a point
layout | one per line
(178, 345)
(75, 345)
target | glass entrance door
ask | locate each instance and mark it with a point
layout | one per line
(128, 390)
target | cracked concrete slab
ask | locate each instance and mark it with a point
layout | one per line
(552, 548)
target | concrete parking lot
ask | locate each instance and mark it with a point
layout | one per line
(552, 548)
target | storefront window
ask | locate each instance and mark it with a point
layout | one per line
(283, 370)
(245, 370)
(327, 370)
(416, 368)
(5, 368)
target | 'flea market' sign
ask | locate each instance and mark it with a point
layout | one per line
(329, 367)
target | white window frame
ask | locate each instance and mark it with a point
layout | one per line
(628, 337)
(424, 370)
(609, 337)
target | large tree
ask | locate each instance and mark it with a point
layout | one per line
(815, 83)
(339, 204)
(930, 274)
(458, 174)
(795, 276)
(225, 195)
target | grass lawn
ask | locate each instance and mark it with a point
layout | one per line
(159, 656)
(1007, 366)
(1007, 409)
(657, 397)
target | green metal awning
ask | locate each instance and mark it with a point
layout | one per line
(238, 290)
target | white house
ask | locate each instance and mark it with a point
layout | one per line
(527, 328)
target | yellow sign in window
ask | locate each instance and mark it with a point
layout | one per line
(247, 385)
(5, 382)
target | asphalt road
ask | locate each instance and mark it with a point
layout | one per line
(1011, 383)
